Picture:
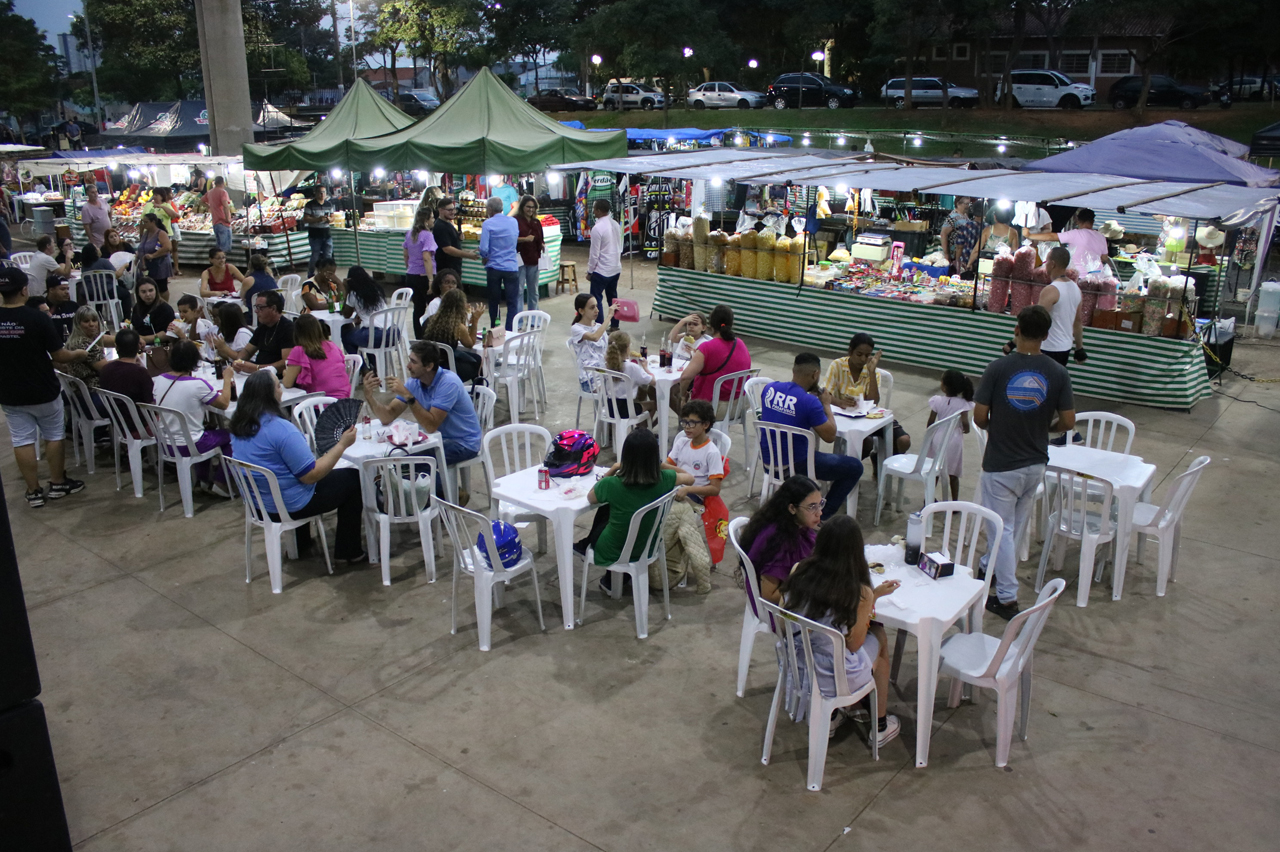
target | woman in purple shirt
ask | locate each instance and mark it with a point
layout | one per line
(420, 261)
(782, 532)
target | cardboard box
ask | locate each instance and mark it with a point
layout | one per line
(902, 225)
(1129, 321)
(865, 252)
(1106, 319)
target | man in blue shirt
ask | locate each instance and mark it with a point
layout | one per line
(498, 238)
(438, 401)
(802, 404)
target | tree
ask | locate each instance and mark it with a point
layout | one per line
(28, 65)
(295, 25)
(150, 48)
(527, 28)
(388, 25)
(908, 27)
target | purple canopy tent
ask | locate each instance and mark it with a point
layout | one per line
(1180, 131)
(1157, 160)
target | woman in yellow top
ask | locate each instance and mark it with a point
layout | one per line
(162, 205)
(855, 375)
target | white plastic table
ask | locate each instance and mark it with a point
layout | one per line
(855, 427)
(335, 320)
(665, 378)
(925, 608)
(561, 504)
(206, 372)
(1131, 479)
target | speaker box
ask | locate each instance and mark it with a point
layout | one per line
(31, 814)
(19, 678)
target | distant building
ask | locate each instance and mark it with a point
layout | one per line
(78, 61)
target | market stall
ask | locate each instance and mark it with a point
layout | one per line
(786, 284)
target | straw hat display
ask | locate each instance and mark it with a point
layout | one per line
(1209, 237)
(1111, 230)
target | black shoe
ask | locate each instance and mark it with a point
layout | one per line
(606, 583)
(1004, 610)
(580, 547)
(67, 486)
(35, 499)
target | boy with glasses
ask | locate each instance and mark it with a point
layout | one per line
(697, 455)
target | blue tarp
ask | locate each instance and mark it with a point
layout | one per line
(679, 134)
(96, 152)
(1175, 161)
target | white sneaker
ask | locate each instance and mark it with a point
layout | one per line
(838, 718)
(891, 727)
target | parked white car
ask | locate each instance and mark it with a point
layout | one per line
(632, 96)
(727, 95)
(1037, 88)
(927, 91)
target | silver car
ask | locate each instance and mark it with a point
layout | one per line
(927, 91)
(632, 96)
(726, 95)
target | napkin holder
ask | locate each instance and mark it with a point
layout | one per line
(936, 565)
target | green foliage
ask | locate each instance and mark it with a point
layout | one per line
(28, 65)
(150, 49)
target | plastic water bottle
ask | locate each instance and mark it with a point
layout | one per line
(915, 539)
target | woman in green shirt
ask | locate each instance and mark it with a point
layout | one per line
(630, 485)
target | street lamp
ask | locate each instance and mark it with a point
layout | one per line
(688, 51)
(595, 60)
(817, 56)
(751, 63)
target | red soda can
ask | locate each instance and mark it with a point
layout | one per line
(544, 479)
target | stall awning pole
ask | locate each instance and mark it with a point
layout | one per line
(355, 212)
(1189, 188)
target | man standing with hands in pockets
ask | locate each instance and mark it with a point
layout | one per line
(604, 263)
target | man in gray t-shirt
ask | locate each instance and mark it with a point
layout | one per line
(1016, 402)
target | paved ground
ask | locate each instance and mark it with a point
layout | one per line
(189, 710)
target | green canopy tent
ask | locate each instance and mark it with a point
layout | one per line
(361, 113)
(484, 129)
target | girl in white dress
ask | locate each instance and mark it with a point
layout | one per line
(956, 396)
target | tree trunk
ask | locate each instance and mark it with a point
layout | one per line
(337, 39)
(395, 77)
(1006, 79)
(984, 78)
(906, 79)
(946, 86)
(1140, 108)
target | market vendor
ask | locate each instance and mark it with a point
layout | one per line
(316, 216)
(220, 210)
(1000, 233)
(449, 250)
(959, 235)
(855, 376)
(95, 215)
(1084, 243)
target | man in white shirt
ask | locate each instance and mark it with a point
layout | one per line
(604, 264)
(43, 265)
(1086, 245)
(1061, 298)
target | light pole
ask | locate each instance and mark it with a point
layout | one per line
(93, 64)
(817, 56)
(595, 60)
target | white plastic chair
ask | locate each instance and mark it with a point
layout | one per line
(289, 282)
(1164, 523)
(450, 359)
(1083, 510)
(252, 482)
(968, 521)
(84, 417)
(400, 505)
(753, 622)
(884, 381)
(403, 298)
(22, 259)
(535, 321)
(483, 400)
(738, 408)
(519, 446)
(515, 370)
(1002, 664)
(291, 288)
(391, 353)
(475, 553)
(305, 414)
(1100, 429)
(781, 442)
(588, 395)
(129, 430)
(923, 468)
(100, 294)
(172, 433)
(820, 706)
(722, 441)
(652, 549)
(353, 363)
(612, 391)
(754, 388)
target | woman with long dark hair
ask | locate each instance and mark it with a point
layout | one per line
(833, 587)
(420, 262)
(446, 279)
(364, 297)
(529, 245)
(151, 314)
(261, 434)
(454, 325)
(782, 532)
(315, 364)
(155, 251)
(724, 353)
(631, 484)
(231, 325)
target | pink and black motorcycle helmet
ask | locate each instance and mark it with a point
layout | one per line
(573, 453)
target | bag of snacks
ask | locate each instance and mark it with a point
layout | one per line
(1001, 270)
(733, 256)
(749, 262)
(796, 260)
(701, 229)
(782, 260)
(716, 243)
(686, 251)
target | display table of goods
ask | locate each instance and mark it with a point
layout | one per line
(924, 325)
(285, 249)
(382, 250)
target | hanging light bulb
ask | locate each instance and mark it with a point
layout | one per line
(1001, 148)
(336, 173)
(717, 182)
(840, 140)
(553, 176)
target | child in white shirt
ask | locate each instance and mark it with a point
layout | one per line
(956, 396)
(639, 387)
(190, 316)
(697, 455)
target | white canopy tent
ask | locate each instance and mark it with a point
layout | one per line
(167, 169)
